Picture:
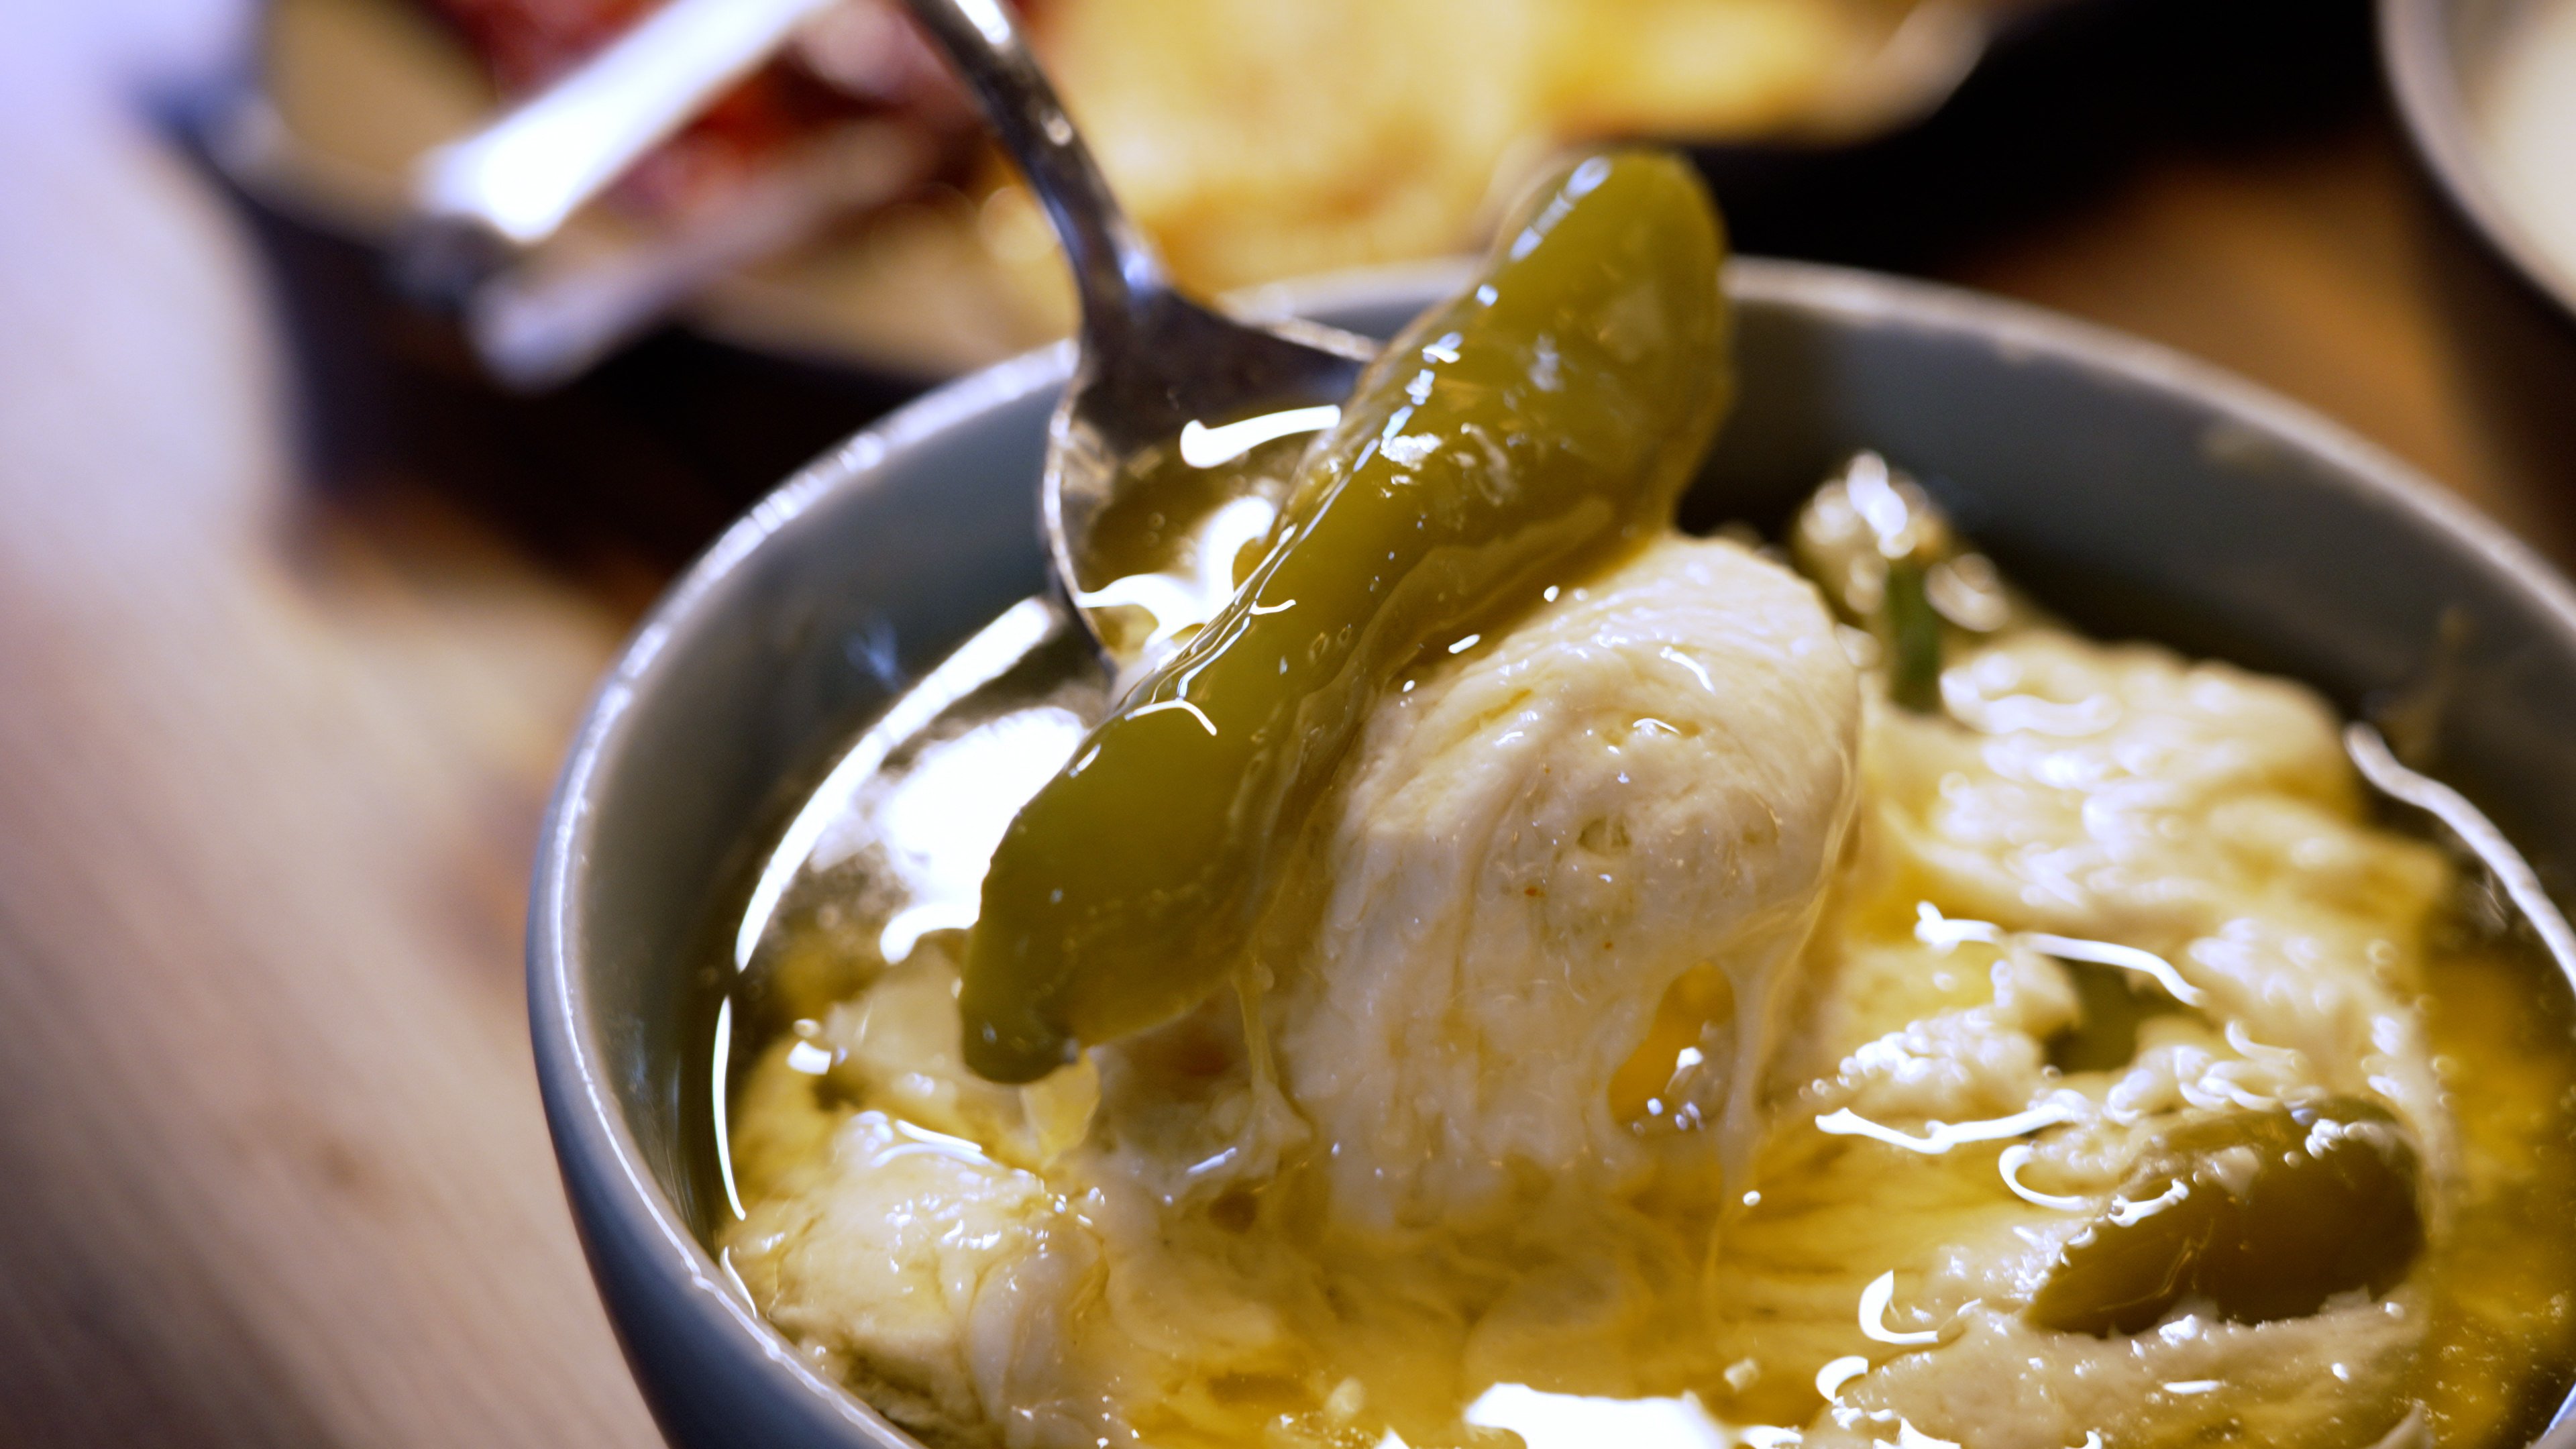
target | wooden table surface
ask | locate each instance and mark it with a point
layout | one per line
(272, 759)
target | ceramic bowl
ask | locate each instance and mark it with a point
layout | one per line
(2506, 298)
(2442, 59)
(2135, 490)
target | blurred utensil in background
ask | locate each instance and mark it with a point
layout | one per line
(488, 203)
(537, 320)
(512, 184)
(713, 150)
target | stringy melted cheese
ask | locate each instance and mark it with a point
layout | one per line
(1657, 1052)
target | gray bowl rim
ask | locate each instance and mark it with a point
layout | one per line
(2422, 69)
(588, 1130)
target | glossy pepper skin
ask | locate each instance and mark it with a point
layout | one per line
(2264, 1214)
(1506, 441)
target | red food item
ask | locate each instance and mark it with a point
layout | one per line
(862, 59)
(527, 42)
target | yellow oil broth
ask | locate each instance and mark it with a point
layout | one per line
(2499, 1354)
(2502, 1347)
(888, 861)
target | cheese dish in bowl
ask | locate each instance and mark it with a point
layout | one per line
(2130, 493)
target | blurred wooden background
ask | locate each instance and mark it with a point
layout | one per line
(276, 729)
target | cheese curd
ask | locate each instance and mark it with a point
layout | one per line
(1650, 777)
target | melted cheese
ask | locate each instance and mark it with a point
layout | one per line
(1657, 843)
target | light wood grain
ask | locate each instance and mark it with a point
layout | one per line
(269, 774)
(272, 1170)
(2309, 266)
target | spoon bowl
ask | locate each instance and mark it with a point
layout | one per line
(1151, 363)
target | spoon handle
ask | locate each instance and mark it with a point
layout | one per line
(1116, 272)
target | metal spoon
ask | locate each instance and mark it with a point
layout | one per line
(1152, 362)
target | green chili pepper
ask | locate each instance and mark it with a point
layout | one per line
(1541, 422)
(1914, 638)
(1888, 561)
(2265, 1214)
